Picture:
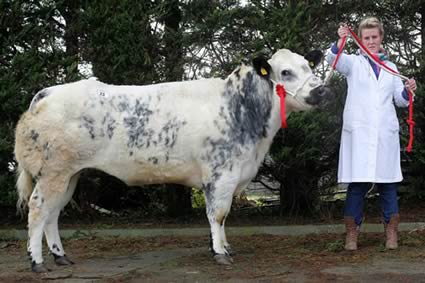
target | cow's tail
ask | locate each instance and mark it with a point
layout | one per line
(24, 187)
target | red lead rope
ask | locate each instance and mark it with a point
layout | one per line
(379, 62)
(280, 90)
(410, 122)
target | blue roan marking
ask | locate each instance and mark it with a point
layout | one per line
(135, 115)
(246, 117)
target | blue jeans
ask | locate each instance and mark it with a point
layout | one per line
(355, 199)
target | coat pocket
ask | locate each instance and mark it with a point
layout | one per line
(353, 119)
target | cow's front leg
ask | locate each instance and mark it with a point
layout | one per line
(218, 202)
(242, 186)
(227, 247)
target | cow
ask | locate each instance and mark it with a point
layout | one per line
(210, 134)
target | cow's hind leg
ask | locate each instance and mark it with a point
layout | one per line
(51, 229)
(218, 199)
(43, 204)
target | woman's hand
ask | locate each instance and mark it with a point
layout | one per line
(410, 84)
(343, 30)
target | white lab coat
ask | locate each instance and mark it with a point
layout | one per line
(370, 146)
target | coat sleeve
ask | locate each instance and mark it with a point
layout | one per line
(399, 99)
(345, 61)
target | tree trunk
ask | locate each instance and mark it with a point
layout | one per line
(70, 11)
(178, 197)
(173, 42)
(422, 12)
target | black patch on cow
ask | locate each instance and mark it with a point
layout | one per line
(237, 73)
(136, 123)
(137, 114)
(134, 114)
(34, 135)
(209, 190)
(209, 196)
(256, 102)
(88, 123)
(154, 160)
(210, 245)
(46, 151)
(39, 96)
(55, 247)
(243, 121)
(169, 132)
(123, 105)
(109, 124)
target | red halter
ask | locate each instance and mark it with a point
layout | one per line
(281, 92)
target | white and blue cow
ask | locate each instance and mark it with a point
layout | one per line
(211, 134)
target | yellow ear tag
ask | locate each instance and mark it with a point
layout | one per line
(263, 71)
(311, 64)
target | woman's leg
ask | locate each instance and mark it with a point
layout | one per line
(354, 202)
(353, 213)
(390, 213)
(388, 199)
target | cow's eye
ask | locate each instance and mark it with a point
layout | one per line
(286, 73)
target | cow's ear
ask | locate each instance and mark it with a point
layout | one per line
(314, 57)
(262, 67)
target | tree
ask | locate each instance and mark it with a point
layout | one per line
(31, 58)
(178, 196)
(120, 40)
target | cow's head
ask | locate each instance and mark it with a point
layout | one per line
(304, 89)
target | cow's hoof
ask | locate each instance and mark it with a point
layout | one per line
(39, 268)
(63, 260)
(229, 251)
(223, 259)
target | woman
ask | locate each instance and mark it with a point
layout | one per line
(370, 149)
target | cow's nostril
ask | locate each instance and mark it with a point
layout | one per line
(317, 95)
(326, 91)
(322, 91)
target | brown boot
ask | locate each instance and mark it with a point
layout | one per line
(352, 230)
(391, 231)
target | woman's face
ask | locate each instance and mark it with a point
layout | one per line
(372, 39)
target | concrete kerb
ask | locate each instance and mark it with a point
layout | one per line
(290, 230)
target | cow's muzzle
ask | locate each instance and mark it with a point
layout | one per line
(317, 95)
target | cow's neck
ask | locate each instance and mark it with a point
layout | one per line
(249, 103)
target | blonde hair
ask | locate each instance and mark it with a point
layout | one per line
(371, 22)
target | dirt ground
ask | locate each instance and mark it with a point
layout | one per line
(259, 258)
